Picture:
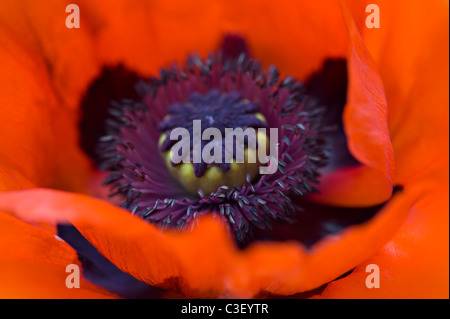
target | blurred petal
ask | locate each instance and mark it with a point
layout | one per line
(414, 264)
(39, 86)
(296, 36)
(205, 262)
(33, 264)
(356, 186)
(164, 31)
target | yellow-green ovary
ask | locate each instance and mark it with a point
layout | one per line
(214, 177)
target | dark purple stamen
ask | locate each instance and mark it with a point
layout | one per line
(233, 46)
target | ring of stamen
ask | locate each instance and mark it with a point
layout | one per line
(137, 136)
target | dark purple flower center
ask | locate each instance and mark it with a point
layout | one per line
(221, 93)
(203, 169)
(213, 109)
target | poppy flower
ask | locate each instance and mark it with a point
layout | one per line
(362, 176)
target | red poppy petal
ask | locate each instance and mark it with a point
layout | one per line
(296, 36)
(164, 31)
(356, 186)
(146, 36)
(411, 52)
(205, 262)
(50, 49)
(139, 248)
(365, 122)
(414, 264)
(33, 264)
(38, 99)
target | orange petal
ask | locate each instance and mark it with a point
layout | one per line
(411, 52)
(296, 36)
(205, 262)
(40, 90)
(365, 122)
(164, 31)
(355, 186)
(33, 264)
(414, 264)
